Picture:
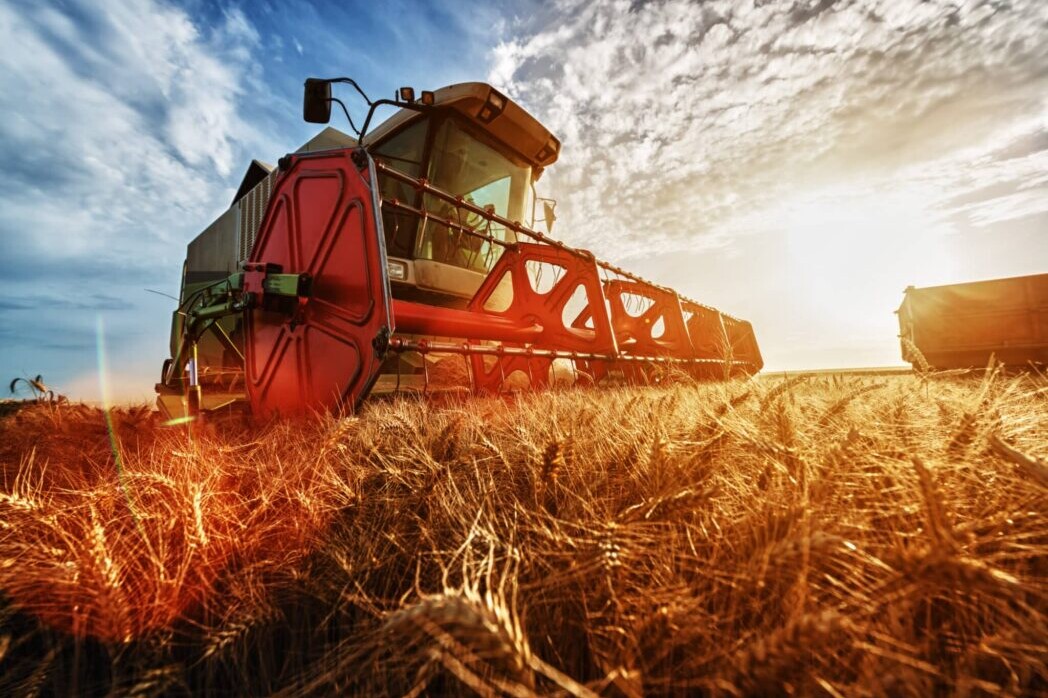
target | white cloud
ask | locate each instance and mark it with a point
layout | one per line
(134, 139)
(132, 131)
(679, 120)
(122, 135)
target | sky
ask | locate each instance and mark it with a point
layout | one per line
(797, 164)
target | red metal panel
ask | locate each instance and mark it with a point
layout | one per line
(635, 333)
(706, 329)
(417, 318)
(547, 309)
(590, 332)
(721, 337)
(491, 377)
(744, 344)
(322, 221)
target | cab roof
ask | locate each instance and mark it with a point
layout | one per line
(492, 111)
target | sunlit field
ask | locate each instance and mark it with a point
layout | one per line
(878, 535)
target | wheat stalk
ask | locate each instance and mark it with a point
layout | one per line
(671, 545)
(1035, 468)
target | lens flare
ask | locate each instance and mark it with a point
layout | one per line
(107, 412)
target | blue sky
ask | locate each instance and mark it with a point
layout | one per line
(127, 128)
(796, 163)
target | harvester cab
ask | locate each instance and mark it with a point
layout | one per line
(473, 143)
(360, 265)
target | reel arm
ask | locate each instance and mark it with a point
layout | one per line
(259, 286)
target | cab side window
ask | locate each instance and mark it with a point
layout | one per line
(403, 152)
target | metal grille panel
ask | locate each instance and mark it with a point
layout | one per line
(252, 210)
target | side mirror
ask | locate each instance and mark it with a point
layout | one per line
(550, 216)
(316, 101)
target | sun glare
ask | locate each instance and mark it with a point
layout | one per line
(853, 253)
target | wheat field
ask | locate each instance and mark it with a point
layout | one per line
(841, 536)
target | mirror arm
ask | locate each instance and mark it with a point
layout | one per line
(351, 81)
(534, 202)
(414, 106)
(372, 105)
(349, 118)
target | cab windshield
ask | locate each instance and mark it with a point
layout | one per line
(464, 166)
(458, 162)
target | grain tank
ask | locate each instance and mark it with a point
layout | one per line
(962, 325)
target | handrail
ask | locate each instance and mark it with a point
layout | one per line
(422, 185)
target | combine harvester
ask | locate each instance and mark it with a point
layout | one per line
(963, 325)
(397, 259)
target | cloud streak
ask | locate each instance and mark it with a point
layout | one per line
(87, 302)
(680, 121)
(128, 116)
(121, 137)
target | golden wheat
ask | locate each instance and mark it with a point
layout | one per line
(809, 536)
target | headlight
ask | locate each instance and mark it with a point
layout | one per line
(492, 107)
(398, 271)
